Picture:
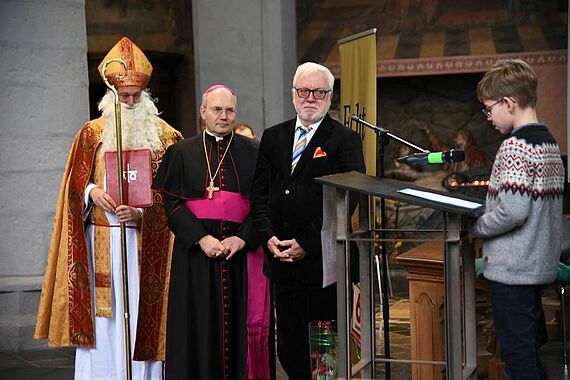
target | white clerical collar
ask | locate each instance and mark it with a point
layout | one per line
(218, 138)
(312, 127)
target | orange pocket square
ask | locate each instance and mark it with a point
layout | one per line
(319, 153)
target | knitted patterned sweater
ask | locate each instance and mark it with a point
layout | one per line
(522, 223)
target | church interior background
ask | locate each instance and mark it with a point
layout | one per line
(431, 54)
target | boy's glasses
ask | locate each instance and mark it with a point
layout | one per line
(487, 110)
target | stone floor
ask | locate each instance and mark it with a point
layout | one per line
(57, 364)
(49, 364)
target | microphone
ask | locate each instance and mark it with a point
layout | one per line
(428, 158)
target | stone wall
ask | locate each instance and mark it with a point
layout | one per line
(43, 77)
(250, 46)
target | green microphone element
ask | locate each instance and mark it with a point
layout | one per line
(454, 155)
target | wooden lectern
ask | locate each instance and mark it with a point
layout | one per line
(459, 272)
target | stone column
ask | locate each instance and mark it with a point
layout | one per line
(250, 46)
(44, 102)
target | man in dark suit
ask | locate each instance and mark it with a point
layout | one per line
(287, 210)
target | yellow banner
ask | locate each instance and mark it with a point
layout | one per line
(358, 89)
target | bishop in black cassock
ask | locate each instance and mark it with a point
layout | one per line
(207, 309)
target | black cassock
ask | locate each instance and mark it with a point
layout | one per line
(206, 333)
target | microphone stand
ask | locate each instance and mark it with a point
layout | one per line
(384, 132)
(384, 137)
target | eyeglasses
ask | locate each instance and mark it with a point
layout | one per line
(218, 111)
(487, 111)
(317, 94)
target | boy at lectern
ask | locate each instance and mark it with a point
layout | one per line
(521, 227)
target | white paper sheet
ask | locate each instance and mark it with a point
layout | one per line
(328, 236)
(441, 198)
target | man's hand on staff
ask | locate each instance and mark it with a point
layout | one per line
(102, 199)
(127, 214)
(124, 213)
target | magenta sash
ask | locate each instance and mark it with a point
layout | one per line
(258, 309)
(226, 205)
(233, 207)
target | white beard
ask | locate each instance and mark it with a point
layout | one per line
(139, 124)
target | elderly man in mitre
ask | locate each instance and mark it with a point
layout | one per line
(81, 302)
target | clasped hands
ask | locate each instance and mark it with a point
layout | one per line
(124, 213)
(214, 248)
(288, 251)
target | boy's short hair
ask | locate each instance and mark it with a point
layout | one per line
(512, 78)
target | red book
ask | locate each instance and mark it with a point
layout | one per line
(137, 177)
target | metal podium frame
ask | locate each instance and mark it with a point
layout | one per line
(459, 275)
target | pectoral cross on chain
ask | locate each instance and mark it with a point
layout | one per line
(211, 188)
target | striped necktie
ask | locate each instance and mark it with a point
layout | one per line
(299, 146)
